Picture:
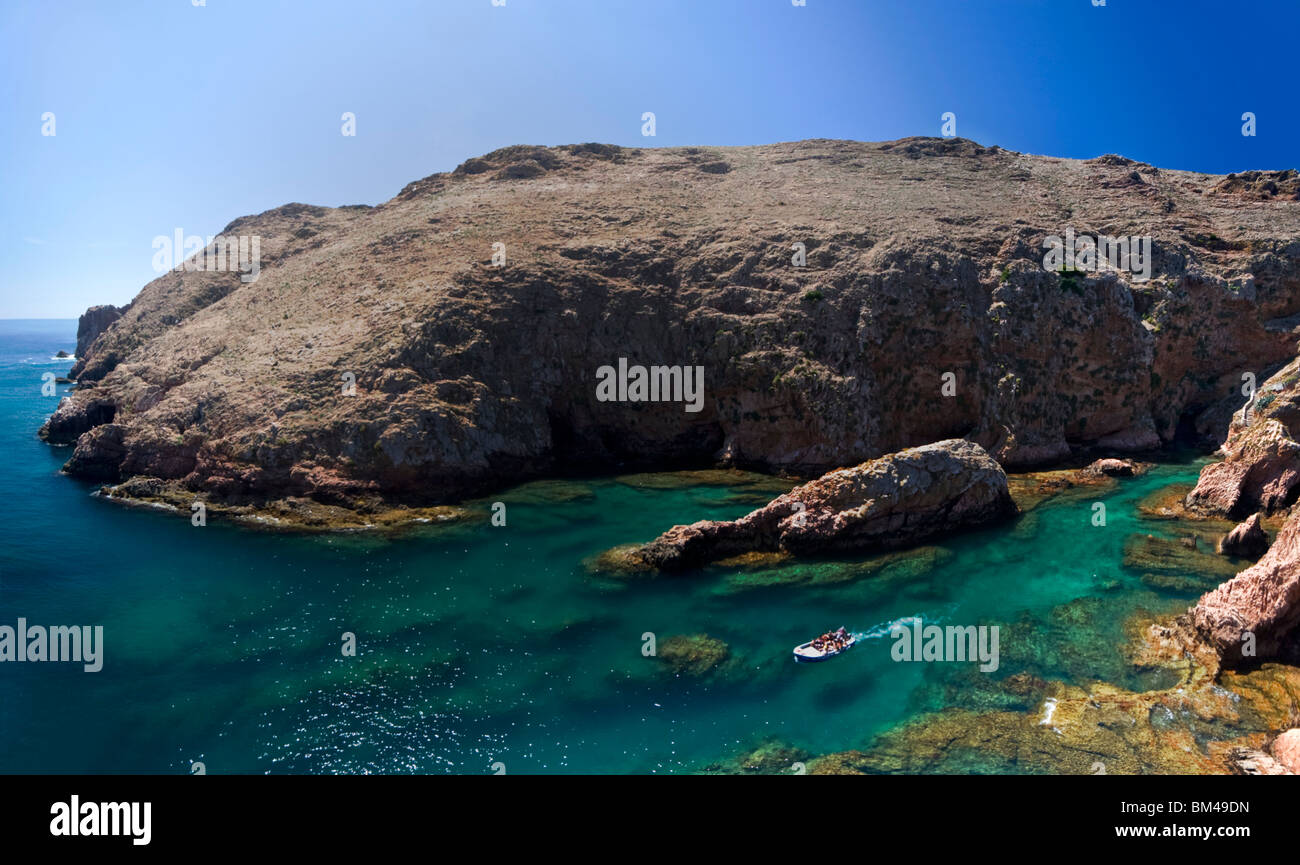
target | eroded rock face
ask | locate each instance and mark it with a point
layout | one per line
(1261, 466)
(1253, 616)
(1247, 540)
(923, 268)
(76, 416)
(92, 323)
(1253, 761)
(890, 502)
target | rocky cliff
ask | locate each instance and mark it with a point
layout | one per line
(92, 323)
(921, 311)
(1261, 465)
(1254, 616)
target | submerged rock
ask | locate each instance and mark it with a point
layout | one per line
(693, 655)
(1167, 509)
(623, 561)
(1247, 540)
(773, 757)
(890, 502)
(1031, 489)
(731, 479)
(1177, 564)
(291, 513)
(549, 492)
(1193, 727)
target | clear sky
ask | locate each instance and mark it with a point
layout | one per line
(169, 115)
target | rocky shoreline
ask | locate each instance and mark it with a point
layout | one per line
(288, 514)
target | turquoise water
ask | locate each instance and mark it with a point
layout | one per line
(483, 644)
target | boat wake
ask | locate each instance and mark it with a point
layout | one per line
(886, 628)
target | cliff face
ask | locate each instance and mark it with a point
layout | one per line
(1254, 616)
(92, 323)
(1261, 465)
(924, 257)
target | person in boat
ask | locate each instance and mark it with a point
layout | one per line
(826, 642)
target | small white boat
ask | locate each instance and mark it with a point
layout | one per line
(808, 653)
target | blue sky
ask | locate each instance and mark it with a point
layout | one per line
(173, 116)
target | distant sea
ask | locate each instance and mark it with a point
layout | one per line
(481, 646)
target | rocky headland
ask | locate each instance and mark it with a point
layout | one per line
(844, 300)
(92, 323)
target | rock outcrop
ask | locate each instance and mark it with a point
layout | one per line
(1109, 467)
(1261, 466)
(92, 323)
(1253, 761)
(1281, 758)
(1286, 750)
(891, 502)
(1253, 617)
(844, 300)
(1247, 540)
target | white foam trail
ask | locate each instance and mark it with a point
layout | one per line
(884, 630)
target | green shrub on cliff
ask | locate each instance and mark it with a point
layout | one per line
(1070, 280)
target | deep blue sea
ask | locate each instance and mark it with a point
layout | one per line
(481, 645)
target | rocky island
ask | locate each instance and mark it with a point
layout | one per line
(845, 300)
